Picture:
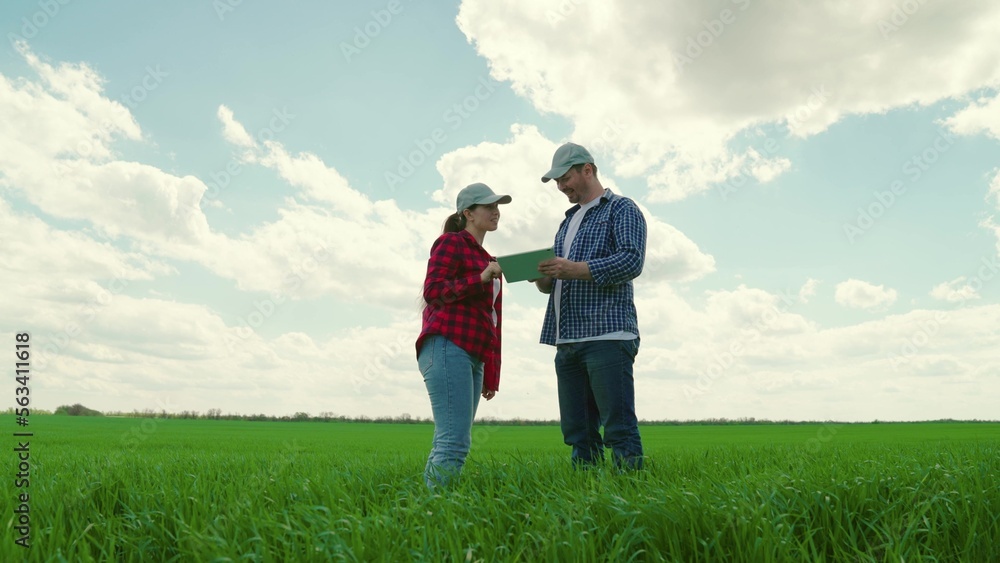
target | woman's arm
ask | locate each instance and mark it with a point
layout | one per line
(442, 283)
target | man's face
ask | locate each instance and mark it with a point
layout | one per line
(571, 184)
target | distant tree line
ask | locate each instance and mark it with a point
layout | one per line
(77, 410)
(326, 416)
(406, 418)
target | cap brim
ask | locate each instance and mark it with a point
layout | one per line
(556, 172)
(495, 199)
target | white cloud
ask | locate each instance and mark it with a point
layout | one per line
(823, 373)
(302, 254)
(101, 330)
(61, 159)
(672, 85)
(751, 309)
(808, 290)
(980, 116)
(863, 295)
(682, 342)
(318, 182)
(309, 252)
(62, 115)
(232, 130)
(58, 255)
(765, 170)
(115, 347)
(746, 348)
(305, 252)
(60, 281)
(532, 218)
(66, 114)
(989, 223)
(955, 291)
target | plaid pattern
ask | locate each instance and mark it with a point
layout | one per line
(458, 302)
(612, 240)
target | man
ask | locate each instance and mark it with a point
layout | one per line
(600, 248)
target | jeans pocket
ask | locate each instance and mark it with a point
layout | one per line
(630, 347)
(425, 360)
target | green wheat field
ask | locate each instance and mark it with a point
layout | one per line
(133, 489)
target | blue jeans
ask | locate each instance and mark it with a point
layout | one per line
(454, 381)
(596, 389)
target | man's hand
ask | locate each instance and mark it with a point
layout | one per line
(489, 394)
(544, 284)
(563, 269)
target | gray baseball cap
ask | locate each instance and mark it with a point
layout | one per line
(478, 194)
(567, 156)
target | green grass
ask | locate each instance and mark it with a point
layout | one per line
(120, 489)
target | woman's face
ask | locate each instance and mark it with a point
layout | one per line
(485, 217)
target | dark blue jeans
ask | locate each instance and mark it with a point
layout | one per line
(596, 389)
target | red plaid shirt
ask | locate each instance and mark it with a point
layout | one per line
(459, 304)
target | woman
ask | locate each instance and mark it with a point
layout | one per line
(458, 350)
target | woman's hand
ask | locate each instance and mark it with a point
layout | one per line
(491, 272)
(489, 393)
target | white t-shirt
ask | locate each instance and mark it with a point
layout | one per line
(571, 230)
(496, 293)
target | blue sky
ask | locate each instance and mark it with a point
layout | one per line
(229, 204)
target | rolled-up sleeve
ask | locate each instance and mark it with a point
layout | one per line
(628, 228)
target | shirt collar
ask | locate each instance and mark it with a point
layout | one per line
(472, 240)
(593, 203)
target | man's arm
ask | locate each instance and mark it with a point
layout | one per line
(563, 269)
(629, 228)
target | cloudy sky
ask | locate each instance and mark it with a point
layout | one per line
(227, 204)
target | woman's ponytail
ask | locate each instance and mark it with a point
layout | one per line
(454, 223)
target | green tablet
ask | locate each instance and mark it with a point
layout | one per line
(524, 265)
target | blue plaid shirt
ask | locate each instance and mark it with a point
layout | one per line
(612, 241)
